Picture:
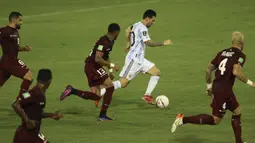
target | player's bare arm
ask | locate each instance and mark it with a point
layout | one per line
(151, 43)
(56, 115)
(127, 32)
(25, 48)
(238, 72)
(99, 59)
(17, 108)
(210, 68)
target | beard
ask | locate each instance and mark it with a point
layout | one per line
(18, 26)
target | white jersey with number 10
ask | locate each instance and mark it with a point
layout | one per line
(138, 36)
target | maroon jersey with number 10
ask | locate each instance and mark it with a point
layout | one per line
(224, 62)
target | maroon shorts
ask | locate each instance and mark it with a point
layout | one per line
(22, 135)
(11, 66)
(223, 102)
(95, 73)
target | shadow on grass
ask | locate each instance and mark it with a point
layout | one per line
(190, 139)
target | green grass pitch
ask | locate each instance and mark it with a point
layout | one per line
(62, 32)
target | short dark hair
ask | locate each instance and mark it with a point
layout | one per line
(44, 75)
(14, 14)
(113, 27)
(149, 13)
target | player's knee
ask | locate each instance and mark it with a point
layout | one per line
(123, 83)
(237, 111)
(156, 73)
(217, 120)
(28, 76)
(108, 83)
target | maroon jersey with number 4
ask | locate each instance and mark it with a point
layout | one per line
(9, 41)
(225, 61)
(105, 45)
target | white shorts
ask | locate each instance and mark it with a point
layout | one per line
(131, 69)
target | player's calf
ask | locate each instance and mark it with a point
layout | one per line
(155, 76)
(236, 124)
(27, 81)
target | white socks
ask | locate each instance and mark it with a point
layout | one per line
(116, 85)
(152, 84)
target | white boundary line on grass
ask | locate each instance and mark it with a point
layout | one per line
(85, 10)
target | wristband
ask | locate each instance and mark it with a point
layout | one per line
(112, 65)
(209, 85)
(110, 70)
(249, 82)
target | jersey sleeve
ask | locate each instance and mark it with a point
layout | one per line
(241, 60)
(216, 60)
(26, 98)
(145, 34)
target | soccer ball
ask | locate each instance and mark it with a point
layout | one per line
(162, 101)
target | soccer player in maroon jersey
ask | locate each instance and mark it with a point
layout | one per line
(29, 106)
(9, 62)
(97, 76)
(228, 65)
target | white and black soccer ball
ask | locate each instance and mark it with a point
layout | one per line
(162, 101)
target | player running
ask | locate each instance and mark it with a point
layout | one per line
(96, 74)
(228, 65)
(29, 106)
(9, 62)
(137, 38)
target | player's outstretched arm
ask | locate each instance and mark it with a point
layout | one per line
(210, 68)
(238, 72)
(56, 115)
(102, 62)
(25, 48)
(151, 43)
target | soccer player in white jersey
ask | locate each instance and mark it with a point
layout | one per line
(137, 39)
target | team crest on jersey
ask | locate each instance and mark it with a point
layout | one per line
(144, 33)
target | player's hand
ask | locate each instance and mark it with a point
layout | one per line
(209, 92)
(126, 49)
(116, 68)
(253, 85)
(111, 76)
(28, 48)
(167, 42)
(31, 124)
(57, 115)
